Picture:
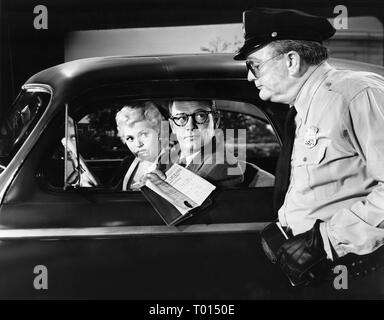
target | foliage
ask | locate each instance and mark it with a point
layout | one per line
(257, 130)
(219, 45)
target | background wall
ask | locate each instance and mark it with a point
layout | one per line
(362, 40)
(25, 50)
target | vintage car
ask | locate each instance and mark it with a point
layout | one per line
(92, 241)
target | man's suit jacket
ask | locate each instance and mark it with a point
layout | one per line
(220, 169)
(219, 173)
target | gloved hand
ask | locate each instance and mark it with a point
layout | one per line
(302, 257)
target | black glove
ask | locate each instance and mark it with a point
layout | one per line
(303, 258)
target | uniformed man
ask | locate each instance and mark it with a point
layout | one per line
(329, 183)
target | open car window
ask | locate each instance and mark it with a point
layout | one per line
(76, 172)
(17, 124)
(96, 156)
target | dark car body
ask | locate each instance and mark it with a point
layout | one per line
(102, 244)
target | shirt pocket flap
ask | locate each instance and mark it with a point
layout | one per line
(311, 156)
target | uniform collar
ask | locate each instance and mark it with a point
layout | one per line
(309, 88)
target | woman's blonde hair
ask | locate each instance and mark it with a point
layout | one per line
(136, 112)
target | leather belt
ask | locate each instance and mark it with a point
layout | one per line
(362, 265)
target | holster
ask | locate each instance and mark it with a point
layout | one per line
(273, 237)
(271, 240)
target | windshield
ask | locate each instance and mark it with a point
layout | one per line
(19, 121)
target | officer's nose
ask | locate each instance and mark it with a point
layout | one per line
(251, 77)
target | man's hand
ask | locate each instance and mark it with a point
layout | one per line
(156, 176)
(302, 256)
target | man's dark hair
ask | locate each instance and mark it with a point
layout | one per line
(313, 53)
(210, 103)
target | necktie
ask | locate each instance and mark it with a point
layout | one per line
(283, 168)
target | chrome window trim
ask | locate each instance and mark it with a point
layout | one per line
(35, 87)
(10, 171)
(128, 231)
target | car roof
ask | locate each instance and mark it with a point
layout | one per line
(114, 69)
(91, 72)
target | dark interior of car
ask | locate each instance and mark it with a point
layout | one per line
(103, 152)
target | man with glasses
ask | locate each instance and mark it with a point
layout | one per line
(329, 191)
(194, 124)
(200, 148)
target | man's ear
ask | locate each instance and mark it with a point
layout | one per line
(171, 125)
(293, 62)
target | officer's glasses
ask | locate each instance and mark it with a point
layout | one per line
(199, 117)
(255, 67)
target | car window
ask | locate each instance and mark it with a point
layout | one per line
(99, 153)
(76, 171)
(16, 126)
(97, 134)
(262, 146)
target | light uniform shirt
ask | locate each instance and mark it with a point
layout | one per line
(337, 161)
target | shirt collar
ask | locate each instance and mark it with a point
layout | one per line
(188, 158)
(310, 87)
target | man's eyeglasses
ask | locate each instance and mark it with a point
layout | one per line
(255, 67)
(199, 117)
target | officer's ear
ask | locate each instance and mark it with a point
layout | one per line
(293, 62)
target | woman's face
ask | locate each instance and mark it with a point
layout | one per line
(142, 140)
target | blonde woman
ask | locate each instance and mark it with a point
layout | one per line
(138, 126)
